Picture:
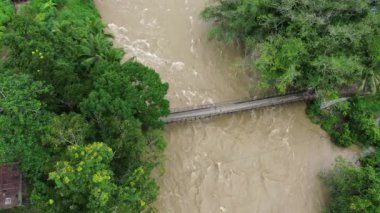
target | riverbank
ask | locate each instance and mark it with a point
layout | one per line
(84, 127)
(265, 160)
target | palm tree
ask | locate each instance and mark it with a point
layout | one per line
(98, 45)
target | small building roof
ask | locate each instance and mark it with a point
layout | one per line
(10, 185)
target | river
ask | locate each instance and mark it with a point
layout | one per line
(260, 161)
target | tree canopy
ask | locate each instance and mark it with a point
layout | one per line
(325, 45)
(22, 120)
(83, 180)
(353, 189)
(320, 44)
(85, 127)
(7, 11)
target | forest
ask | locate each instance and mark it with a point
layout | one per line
(84, 126)
(327, 46)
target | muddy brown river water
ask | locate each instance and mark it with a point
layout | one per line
(260, 161)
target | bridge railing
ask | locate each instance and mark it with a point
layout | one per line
(236, 101)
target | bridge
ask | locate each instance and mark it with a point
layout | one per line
(210, 110)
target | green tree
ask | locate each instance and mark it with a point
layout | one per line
(67, 89)
(83, 180)
(58, 47)
(371, 81)
(136, 193)
(65, 130)
(353, 189)
(47, 56)
(127, 101)
(372, 160)
(7, 11)
(363, 124)
(321, 44)
(281, 61)
(348, 122)
(22, 122)
(151, 104)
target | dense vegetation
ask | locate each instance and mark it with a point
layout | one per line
(324, 45)
(350, 122)
(352, 188)
(85, 127)
(319, 44)
(7, 11)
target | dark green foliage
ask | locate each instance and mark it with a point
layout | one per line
(65, 89)
(7, 12)
(363, 124)
(353, 189)
(347, 123)
(372, 160)
(343, 136)
(137, 191)
(118, 85)
(371, 105)
(127, 100)
(320, 44)
(60, 49)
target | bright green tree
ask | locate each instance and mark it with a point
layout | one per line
(83, 179)
(22, 122)
(7, 11)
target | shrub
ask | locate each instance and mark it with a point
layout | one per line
(7, 11)
(352, 189)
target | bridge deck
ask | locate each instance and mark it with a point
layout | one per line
(215, 110)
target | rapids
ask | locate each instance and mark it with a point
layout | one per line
(260, 161)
